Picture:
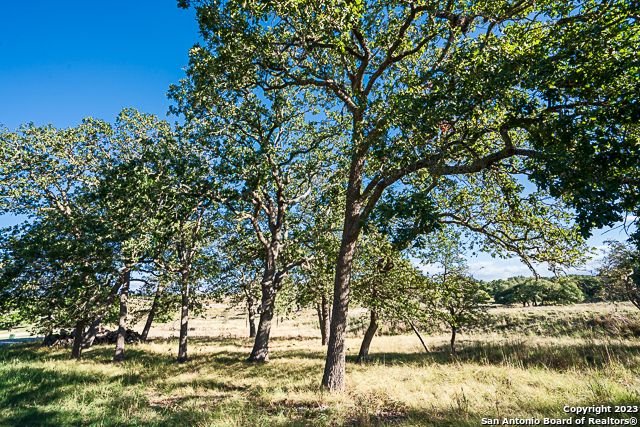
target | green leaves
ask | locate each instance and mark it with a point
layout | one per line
(405, 219)
(620, 270)
(101, 198)
(535, 291)
(454, 298)
(440, 90)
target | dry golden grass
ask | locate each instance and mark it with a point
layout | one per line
(496, 375)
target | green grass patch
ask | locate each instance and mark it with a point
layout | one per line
(502, 374)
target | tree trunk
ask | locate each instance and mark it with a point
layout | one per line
(426, 348)
(334, 368)
(152, 313)
(453, 340)
(90, 335)
(184, 318)
(320, 322)
(363, 355)
(323, 319)
(252, 316)
(48, 337)
(326, 320)
(260, 352)
(76, 352)
(122, 323)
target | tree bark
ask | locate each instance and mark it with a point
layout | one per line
(363, 355)
(260, 352)
(323, 319)
(320, 322)
(327, 319)
(252, 316)
(453, 340)
(152, 313)
(184, 318)
(76, 352)
(122, 322)
(334, 368)
(48, 337)
(426, 348)
(90, 335)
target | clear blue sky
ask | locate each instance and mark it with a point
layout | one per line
(61, 61)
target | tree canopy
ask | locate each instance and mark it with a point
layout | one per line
(341, 142)
(432, 90)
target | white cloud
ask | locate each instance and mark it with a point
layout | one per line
(489, 270)
(429, 268)
(500, 269)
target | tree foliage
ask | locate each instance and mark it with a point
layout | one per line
(539, 291)
(432, 89)
(454, 298)
(620, 271)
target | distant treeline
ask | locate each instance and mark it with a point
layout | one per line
(569, 289)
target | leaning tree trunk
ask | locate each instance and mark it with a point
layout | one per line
(260, 352)
(90, 335)
(363, 355)
(424, 344)
(122, 323)
(252, 316)
(76, 352)
(184, 318)
(152, 313)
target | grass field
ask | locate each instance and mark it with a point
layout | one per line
(525, 363)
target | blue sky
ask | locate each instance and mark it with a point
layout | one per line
(63, 61)
(486, 268)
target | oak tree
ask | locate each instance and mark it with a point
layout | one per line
(432, 89)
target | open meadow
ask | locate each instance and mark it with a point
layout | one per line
(522, 363)
(346, 176)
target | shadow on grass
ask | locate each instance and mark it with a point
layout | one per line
(460, 414)
(283, 416)
(521, 354)
(153, 394)
(251, 414)
(37, 396)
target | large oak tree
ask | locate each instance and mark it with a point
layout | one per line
(431, 88)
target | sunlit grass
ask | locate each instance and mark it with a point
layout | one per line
(495, 375)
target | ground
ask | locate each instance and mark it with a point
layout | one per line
(521, 363)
